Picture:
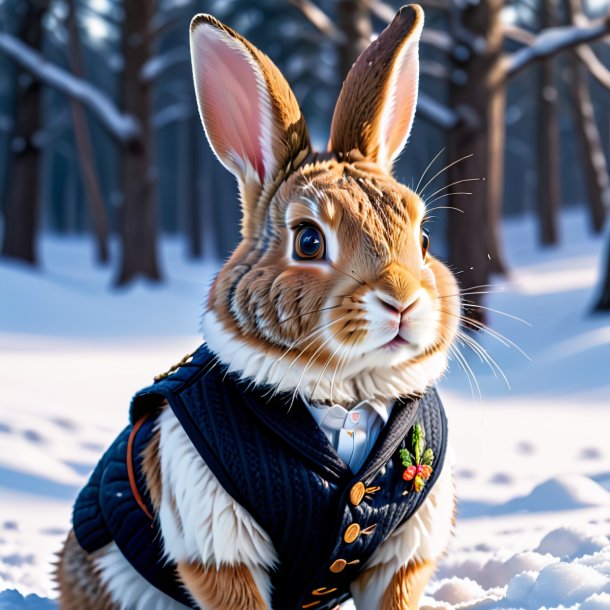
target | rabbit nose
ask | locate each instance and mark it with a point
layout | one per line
(397, 288)
(393, 306)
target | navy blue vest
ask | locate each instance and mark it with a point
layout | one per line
(324, 521)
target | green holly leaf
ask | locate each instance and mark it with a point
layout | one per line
(428, 457)
(405, 457)
(418, 440)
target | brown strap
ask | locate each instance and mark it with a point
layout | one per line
(130, 470)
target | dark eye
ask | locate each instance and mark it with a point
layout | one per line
(308, 244)
(425, 242)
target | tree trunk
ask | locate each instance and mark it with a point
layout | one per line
(84, 147)
(594, 161)
(474, 246)
(603, 304)
(191, 127)
(138, 214)
(549, 194)
(21, 208)
(354, 21)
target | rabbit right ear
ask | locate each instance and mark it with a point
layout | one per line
(376, 106)
(250, 115)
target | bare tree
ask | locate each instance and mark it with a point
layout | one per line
(138, 213)
(86, 156)
(21, 198)
(549, 191)
(592, 153)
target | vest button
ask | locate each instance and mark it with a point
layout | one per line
(338, 566)
(357, 493)
(351, 533)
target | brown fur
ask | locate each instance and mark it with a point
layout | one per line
(357, 118)
(260, 296)
(222, 588)
(271, 305)
(407, 586)
(79, 584)
(291, 141)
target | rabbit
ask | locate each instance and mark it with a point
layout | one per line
(331, 298)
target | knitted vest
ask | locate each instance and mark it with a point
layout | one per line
(324, 521)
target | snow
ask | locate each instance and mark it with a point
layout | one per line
(533, 461)
(122, 126)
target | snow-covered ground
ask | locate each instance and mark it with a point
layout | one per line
(533, 461)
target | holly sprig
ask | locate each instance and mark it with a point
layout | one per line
(418, 461)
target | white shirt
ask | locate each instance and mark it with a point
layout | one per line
(352, 433)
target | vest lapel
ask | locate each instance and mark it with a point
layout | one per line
(404, 414)
(295, 426)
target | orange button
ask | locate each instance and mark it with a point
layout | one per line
(357, 493)
(351, 533)
(338, 566)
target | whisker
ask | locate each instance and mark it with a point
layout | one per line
(484, 355)
(448, 195)
(328, 361)
(420, 193)
(498, 311)
(309, 362)
(309, 313)
(351, 277)
(490, 331)
(274, 391)
(453, 350)
(449, 186)
(445, 207)
(438, 154)
(342, 363)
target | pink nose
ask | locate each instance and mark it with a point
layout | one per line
(394, 306)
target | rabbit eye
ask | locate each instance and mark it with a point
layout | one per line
(308, 243)
(425, 242)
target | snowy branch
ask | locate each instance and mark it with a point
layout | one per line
(157, 66)
(123, 127)
(552, 41)
(432, 68)
(517, 34)
(319, 19)
(173, 113)
(436, 113)
(594, 65)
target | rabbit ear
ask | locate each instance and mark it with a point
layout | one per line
(250, 115)
(377, 102)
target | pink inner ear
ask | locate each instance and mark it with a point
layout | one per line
(403, 100)
(229, 95)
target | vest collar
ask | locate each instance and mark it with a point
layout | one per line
(296, 427)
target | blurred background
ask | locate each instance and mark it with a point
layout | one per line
(99, 132)
(114, 216)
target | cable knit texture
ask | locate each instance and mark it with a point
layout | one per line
(274, 460)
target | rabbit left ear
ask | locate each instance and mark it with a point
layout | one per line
(250, 115)
(376, 106)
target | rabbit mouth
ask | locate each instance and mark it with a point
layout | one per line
(396, 343)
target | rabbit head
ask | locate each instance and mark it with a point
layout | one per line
(332, 291)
